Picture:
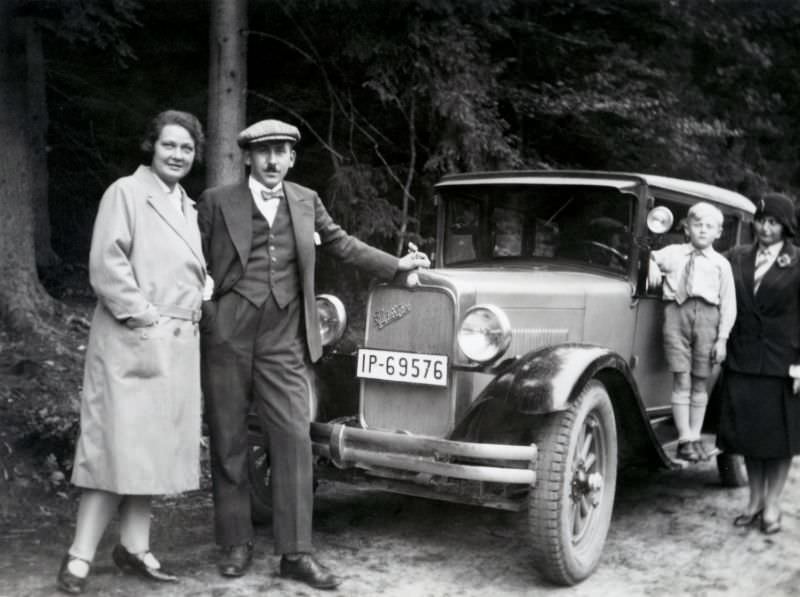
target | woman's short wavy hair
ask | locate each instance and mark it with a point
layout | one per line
(184, 119)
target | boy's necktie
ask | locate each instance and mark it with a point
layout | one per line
(684, 290)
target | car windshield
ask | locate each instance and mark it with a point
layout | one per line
(583, 224)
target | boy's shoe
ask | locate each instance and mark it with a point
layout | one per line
(700, 448)
(704, 451)
(687, 451)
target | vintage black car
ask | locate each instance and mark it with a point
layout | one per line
(526, 366)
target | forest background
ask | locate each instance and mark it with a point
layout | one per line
(389, 95)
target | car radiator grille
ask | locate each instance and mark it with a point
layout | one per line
(427, 327)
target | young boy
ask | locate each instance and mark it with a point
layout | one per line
(698, 317)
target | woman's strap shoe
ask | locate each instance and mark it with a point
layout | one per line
(748, 520)
(68, 582)
(770, 527)
(133, 564)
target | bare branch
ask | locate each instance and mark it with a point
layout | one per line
(285, 42)
(297, 115)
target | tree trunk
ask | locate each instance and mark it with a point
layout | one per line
(23, 301)
(227, 90)
(37, 127)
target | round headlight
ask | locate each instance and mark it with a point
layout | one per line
(485, 333)
(332, 318)
(659, 220)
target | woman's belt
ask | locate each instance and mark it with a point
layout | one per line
(177, 312)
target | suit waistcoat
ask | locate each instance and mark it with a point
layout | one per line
(272, 263)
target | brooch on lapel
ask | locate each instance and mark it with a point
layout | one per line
(783, 260)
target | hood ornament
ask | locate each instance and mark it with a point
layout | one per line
(383, 317)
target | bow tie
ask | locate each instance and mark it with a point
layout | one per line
(272, 194)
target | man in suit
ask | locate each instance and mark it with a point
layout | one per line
(260, 333)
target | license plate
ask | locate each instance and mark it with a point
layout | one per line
(407, 367)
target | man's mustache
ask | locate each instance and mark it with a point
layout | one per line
(272, 169)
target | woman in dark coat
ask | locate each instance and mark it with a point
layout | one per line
(760, 409)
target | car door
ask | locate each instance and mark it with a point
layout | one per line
(650, 368)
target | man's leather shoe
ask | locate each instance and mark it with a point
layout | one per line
(133, 564)
(68, 582)
(306, 569)
(235, 560)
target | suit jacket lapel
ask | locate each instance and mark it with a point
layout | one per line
(159, 201)
(776, 272)
(192, 231)
(238, 214)
(302, 224)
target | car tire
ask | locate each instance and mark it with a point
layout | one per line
(732, 471)
(258, 470)
(569, 510)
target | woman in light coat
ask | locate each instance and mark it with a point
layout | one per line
(140, 411)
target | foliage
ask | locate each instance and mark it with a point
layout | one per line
(391, 94)
(101, 24)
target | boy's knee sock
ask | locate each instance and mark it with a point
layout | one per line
(680, 412)
(697, 412)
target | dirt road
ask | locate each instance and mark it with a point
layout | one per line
(671, 535)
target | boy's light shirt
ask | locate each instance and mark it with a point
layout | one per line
(712, 279)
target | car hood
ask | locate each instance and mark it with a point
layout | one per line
(527, 287)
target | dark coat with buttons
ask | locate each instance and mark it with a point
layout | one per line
(225, 216)
(760, 418)
(766, 337)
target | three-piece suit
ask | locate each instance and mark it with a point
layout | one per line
(260, 332)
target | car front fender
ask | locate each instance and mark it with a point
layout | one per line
(540, 382)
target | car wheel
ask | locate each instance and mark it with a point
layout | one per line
(569, 510)
(732, 471)
(258, 469)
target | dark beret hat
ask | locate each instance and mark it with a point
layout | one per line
(268, 131)
(779, 207)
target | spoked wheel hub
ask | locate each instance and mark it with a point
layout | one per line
(587, 478)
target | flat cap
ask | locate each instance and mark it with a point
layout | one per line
(267, 131)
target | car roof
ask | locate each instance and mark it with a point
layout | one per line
(618, 180)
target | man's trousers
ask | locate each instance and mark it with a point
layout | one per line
(256, 358)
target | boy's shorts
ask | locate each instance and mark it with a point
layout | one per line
(690, 331)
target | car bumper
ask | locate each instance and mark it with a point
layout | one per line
(427, 457)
